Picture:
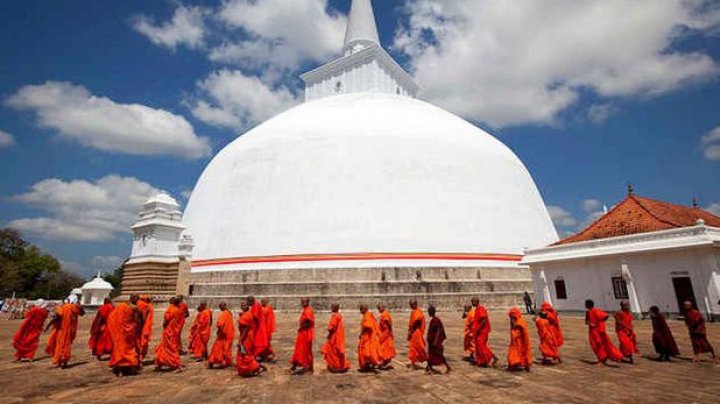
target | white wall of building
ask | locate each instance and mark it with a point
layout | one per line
(369, 76)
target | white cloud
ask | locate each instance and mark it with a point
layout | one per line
(81, 210)
(591, 205)
(599, 113)
(103, 124)
(714, 209)
(237, 101)
(106, 263)
(6, 139)
(711, 144)
(187, 27)
(561, 217)
(526, 61)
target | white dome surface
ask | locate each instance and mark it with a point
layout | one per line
(97, 283)
(365, 173)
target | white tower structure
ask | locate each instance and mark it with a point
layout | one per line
(157, 232)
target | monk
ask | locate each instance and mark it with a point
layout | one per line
(334, 351)
(369, 344)
(221, 353)
(302, 359)
(468, 335)
(185, 313)
(599, 339)
(167, 353)
(387, 340)
(271, 326)
(27, 338)
(67, 318)
(100, 340)
(695, 323)
(245, 361)
(626, 332)
(519, 352)
(200, 333)
(548, 340)
(435, 339)
(416, 336)
(662, 336)
(260, 345)
(484, 356)
(52, 340)
(554, 319)
(148, 314)
(125, 327)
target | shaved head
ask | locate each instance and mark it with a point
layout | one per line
(335, 307)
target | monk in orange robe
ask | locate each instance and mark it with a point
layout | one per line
(185, 313)
(599, 339)
(125, 327)
(387, 340)
(167, 353)
(519, 351)
(416, 336)
(148, 314)
(200, 333)
(67, 318)
(302, 359)
(260, 331)
(695, 323)
(554, 320)
(27, 338)
(435, 339)
(484, 356)
(52, 339)
(369, 344)
(221, 352)
(548, 341)
(334, 350)
(468, 330)
(271, 326)
(626, 332)
(100, 340)
(245, 361)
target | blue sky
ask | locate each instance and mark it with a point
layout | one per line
(103, 102)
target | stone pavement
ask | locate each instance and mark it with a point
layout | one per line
(577, 380)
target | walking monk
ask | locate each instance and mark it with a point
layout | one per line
(554, 320)
(468, 334)
(519, 351)
(484, 356)
(27, 338)
(599, 339)
(548, 340)
(662, 337)
(66, 317)
(271, 327)
(416, 336)
(100, 340)
(148, 314)
(334, 350)
(221, 353)
(369, 344)
(387, 340)
(260, 345)
(245, 361)
(125, 326)
(303, 356)
(436, 338)
(200, 333)
(698, 334)
(167, 353)
(185, 313)
(52, 340)
(626, 332)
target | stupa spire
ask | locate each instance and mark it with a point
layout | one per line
(361, 29)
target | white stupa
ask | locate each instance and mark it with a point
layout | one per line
(363, 174)
(95, 291)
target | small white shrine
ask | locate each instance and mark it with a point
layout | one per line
(95, 292)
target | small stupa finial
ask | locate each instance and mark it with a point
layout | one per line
(630, 189)
(695, 203)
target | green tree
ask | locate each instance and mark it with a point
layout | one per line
(115, 279)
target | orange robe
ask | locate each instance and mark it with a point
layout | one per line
(148, 313)
(416, 329)
(27, 338)
(626, 333)
(519, 351)
(548, 341)
(469, 337)
(184, 314)
(695, 323)
(221, 352)
(369, 345)
(124, 329)
(245, 359)
(101, 342)
(67, 331)
(167, 353)
(554, 320)
(260, 330)
(599, 339)
(334, 350)
(271, 326)
(484, 356)
(200, 334)
(303, 354)
(387, 341)
(52, 339)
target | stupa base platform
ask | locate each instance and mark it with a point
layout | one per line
(156, 279)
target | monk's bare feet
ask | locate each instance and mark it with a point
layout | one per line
(495, 362)
(448, 370)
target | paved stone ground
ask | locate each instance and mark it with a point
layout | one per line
(577, 380)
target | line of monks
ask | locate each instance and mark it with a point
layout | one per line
(124, 331)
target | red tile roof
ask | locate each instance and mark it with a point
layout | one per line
(637, 214)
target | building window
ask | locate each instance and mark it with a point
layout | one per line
(560, 290)
(338, 87)
(619, 288)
